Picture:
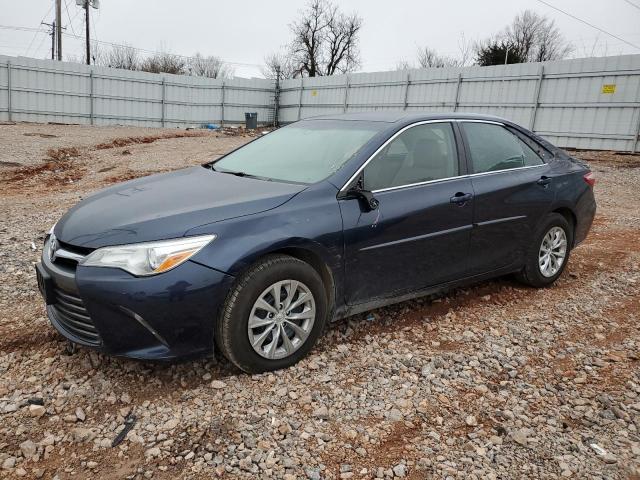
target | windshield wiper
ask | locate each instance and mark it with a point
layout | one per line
(244, 174)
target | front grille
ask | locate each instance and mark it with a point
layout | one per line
(84, 251)
(70, 263)
(74, 318)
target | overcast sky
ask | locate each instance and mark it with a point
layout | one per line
(243, 32)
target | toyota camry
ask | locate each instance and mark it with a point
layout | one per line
(255, 253)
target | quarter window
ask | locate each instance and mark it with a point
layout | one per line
(494, 148)
(420, 154)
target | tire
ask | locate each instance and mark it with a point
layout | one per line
(234, 338)
(532, 273)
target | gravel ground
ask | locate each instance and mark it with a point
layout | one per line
(493, 381)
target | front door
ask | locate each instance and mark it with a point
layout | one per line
(419, 235)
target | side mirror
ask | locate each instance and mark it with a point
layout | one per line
(366, 198)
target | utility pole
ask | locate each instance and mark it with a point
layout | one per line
(53, 38)
(86, 21)
(58, 24)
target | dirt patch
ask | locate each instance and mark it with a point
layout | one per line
(38, 134)
(126, 141)
(128, 175)
(65, 153)
(59, 172)
(10, 164)
(60, 169)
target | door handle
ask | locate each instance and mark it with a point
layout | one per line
(460, 198)
(544, 181)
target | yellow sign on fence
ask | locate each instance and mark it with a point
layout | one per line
(609, 88)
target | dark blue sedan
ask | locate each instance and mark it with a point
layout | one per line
(255, 253)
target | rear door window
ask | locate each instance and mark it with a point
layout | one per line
(494, 148)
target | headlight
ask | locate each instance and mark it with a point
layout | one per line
(147, 258)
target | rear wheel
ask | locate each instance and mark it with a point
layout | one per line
(548, 255)
(273, 315)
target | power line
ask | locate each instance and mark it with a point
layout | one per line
(112, 44)
(632, 4)
(589, 24)
(36, 34)
(40, 44)
(66, 7)
(155, 52)
(21, 29)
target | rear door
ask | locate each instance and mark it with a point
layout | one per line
(512, 187)
(419, 235)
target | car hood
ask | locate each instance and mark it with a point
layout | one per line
(166, 205)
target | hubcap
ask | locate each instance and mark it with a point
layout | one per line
(552, 252)
(281, 319)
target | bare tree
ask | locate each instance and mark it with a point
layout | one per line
(164, 63)
(325, 40)
(210, 66)
(404, 65)
(341, 37)
(429, 58)
(537, 38)
(121, 56)
(278, 65)
(466, 51)
(97, 56)
(530, 37)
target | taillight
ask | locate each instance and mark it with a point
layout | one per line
(590, 178)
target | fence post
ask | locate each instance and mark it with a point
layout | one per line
(346, 95)
(406, 91)
(8, 89)
(634, 147)
(91, 96)
(536, 99)
(455, 103)
(276, 100)
(222, 107)
(164, 93)
(300, 97)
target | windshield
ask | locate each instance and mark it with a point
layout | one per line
(304, 152)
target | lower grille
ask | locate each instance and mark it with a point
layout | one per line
(74, 318)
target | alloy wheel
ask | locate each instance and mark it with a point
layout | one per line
(281, 319)
(553, 251)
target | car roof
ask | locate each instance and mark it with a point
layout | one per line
(405, 117)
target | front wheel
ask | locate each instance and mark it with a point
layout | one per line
(273, 315)
(547, 257)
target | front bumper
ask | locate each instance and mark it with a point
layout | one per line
(162, 317)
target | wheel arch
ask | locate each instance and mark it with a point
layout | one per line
(315, 260)
(570, 217)
(312, 253)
